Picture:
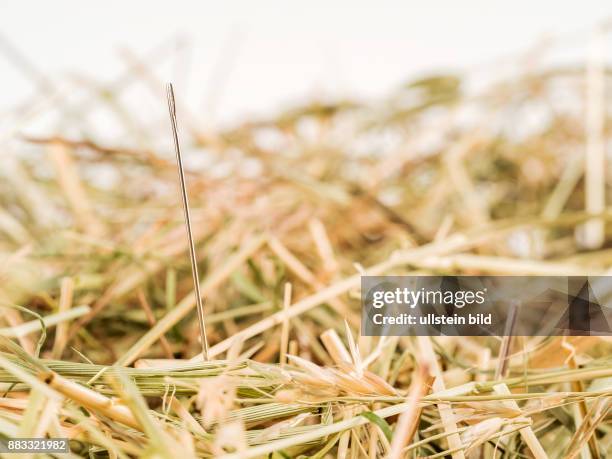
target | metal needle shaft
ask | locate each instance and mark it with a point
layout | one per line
(192, 252)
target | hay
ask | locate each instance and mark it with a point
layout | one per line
(287, 213)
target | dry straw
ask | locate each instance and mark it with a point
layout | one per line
(102, 327)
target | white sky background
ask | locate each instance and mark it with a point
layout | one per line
(279, 52)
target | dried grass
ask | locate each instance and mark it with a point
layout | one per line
(431, 179)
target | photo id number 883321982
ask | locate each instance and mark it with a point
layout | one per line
(34, 445)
